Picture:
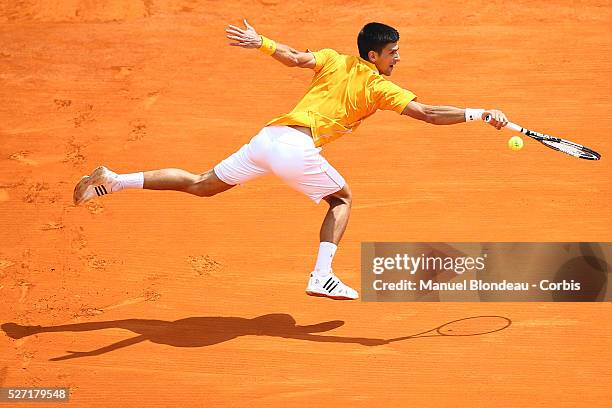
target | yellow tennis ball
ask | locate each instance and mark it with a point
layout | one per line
(515, 143)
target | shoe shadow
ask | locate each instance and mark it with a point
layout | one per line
(194, 331)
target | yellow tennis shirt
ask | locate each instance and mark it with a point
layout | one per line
(344, 90)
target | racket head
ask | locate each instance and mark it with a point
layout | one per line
(555, 143)
(474, 326)
(563, 146)
(573, 149)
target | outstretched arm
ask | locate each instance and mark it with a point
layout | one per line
(102, 350)
(248, 38)
(449, 115)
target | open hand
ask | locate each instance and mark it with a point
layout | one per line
(245, 38)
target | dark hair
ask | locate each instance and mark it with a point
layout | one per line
(374, 37)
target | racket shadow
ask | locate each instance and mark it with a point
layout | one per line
(467, 326)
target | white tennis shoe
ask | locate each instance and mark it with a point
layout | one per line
(330, 286)
(100, 182)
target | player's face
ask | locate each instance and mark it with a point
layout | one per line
(386, 60)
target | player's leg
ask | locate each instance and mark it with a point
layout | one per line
(103, 181)
(203, 185)
(236, 169)
(337, 216)
(294, 158)
(323, 282)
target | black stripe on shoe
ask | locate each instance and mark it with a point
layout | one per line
(104, 188)
(97, 191)
(332, 289)
(328, 281)
(327, 287)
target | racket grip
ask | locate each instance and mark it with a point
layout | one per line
(515, 127)
(509, 125)
(488, 118)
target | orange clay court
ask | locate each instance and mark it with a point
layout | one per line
(166, 299)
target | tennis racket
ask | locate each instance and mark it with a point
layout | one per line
(555, 143)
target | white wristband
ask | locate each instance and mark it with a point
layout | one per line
(473, 114)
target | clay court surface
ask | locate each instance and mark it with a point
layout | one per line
(164, 297)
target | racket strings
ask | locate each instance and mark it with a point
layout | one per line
(569, 148)
(562, 145)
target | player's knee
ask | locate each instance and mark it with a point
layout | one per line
(208, 184)
(344, 196)
(347, 198)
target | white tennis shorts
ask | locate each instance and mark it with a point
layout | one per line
(287, 153)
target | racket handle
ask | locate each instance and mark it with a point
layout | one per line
(514, 127)
(509, 125)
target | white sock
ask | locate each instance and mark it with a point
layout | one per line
(327, 250)
(132, 180)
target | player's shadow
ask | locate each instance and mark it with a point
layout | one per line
(206, 331)
(195, 331)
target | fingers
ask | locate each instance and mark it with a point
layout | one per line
(241, 41)
(234, 32)
(501, 119)
(233, 27)
(498, 120)
(504, 119)
(499, 123)
(236, 37)
(245, 38)
(241, 44)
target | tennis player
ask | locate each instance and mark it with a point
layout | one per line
(345, 90)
